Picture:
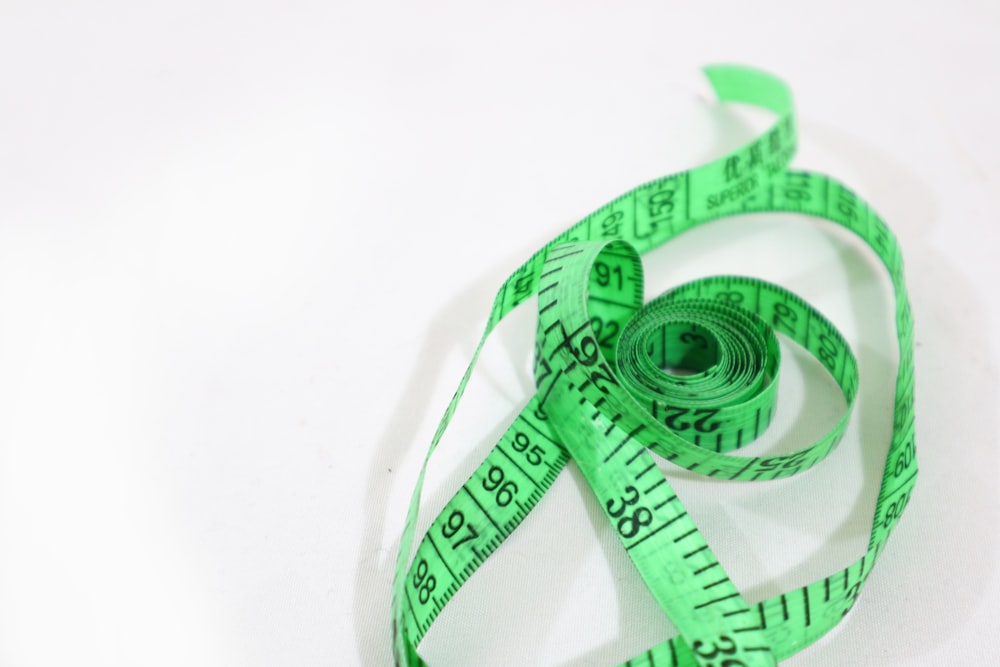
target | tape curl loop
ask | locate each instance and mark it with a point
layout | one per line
(689, 378)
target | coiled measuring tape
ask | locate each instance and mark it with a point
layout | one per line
(606, 400)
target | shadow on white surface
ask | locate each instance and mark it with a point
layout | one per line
(938, 547)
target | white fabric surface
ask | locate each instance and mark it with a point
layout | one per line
(246, 249)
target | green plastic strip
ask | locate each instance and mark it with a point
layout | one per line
(610, 397)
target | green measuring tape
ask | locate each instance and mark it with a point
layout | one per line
(610, 396)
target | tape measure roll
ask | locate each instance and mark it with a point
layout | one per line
(605, 400)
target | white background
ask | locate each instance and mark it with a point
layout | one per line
(246, 249)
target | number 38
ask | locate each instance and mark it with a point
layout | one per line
(724, 646)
